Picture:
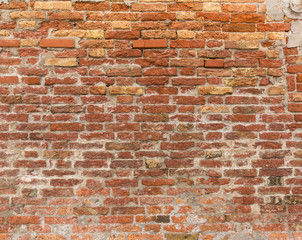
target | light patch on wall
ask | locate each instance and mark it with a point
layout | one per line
(277, 9)
(295, 37)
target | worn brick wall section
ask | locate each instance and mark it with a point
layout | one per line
(149, 119)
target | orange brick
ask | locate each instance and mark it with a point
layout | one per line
(57, 43)
(158, 43)
(214, 63)
(9, 43)
(9, 80)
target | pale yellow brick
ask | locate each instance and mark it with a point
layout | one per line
(248, 72)
(273, 53)
(96, 52)
(211, 7)
(246, 36)
(115, 90)
(27, 24)
(214, 108)
(159, 34)
(27, 15)
(95, 34)
(210, 90)
(295, 97)
(69, 33)
(243, 44)
(276, 35)
(276, 90)
(62, 62)
(240, 82)
(152, 163)
(4, 33)
(29, 42)
(185, 34)
(262, 8)
(121, 25)
(185, 15)
(53, 5)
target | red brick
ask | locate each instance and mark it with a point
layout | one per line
(238, 27)
(248, 18)
(9, 80)
(160, 43)
(295, 107)
(122, 34)
(273, 27)
(19, 220)
(213, 63)
(57, 43)
(9, 43)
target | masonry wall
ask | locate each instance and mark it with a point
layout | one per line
(149, 119)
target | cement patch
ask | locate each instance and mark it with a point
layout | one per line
(277, 9)
(295, 37)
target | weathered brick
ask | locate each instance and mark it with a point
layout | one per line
(19, 220)
(126, 90)
(96, 52)
(98, 90)
(27, 15)
(237, 82)
(183, 236)
(62, 62)
(277, 90)
(214, 90)
(242, 44)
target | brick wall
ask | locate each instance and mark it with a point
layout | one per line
(149, 119)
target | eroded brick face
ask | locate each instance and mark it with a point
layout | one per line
(149, 119)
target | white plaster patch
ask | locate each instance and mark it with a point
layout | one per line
(274, 9)
(295, 36)
(277, 9)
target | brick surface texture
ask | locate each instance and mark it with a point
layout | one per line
(149, 120)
